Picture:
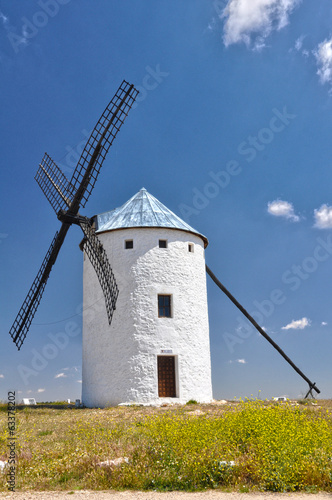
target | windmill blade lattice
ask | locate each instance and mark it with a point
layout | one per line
(26, 314)
(54, 184)
(98, 258)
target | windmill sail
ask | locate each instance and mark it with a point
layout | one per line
(26, 314)
(54, 184)
(66, 197)
(98, 258)
(64, 194)
(100, 140)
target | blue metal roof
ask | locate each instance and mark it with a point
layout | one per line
(142, 210)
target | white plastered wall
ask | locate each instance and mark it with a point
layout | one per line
(120, 361)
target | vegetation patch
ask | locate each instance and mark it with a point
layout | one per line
(243, 446)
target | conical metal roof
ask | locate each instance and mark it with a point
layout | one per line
(142, 210)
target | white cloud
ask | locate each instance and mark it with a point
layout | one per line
(41, 390)
(323, 55)
(281, 208)
(212, 24)
(299, 324)
(3, 18)
(79, 381)
(60, 375)
(241, 361)
(323, 217)
(299, 43)
(71, 369)
(25, 35)
(2, 375)
(323, 323)
(247, 19)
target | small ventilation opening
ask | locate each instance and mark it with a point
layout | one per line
(162, 243)
(191, 248)
(129, 244)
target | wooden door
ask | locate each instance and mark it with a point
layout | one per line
(166, 377)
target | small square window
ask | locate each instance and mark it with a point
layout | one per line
(129, 244)
(191, 248)
(162, 243)
(164, 306)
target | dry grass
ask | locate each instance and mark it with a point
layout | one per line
(274, 446)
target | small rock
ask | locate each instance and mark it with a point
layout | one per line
(196, 412)
(2, 465)
(113, 463)
(231, 463)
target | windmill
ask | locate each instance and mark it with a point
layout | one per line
(66, 197)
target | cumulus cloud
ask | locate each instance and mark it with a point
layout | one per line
(253, 20)
(323, 217)
(323, 323)
(2, 375)
(41, 390)
(281, 208)
(60, 375)
(323, 55)
(298, 324)
(241, 361)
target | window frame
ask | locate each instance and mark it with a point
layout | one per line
(164, 241)
(164, 307)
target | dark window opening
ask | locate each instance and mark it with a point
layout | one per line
(164, 306)
(162, 243)
(129, 244)
(190, 247)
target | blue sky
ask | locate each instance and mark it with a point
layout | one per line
(232, 131)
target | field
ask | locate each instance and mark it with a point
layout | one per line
(238, 446)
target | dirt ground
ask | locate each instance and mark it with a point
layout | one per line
(151, 495)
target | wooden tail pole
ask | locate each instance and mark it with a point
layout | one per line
(312, 385)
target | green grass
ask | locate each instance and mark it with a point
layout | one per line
(44, 433)
(242, 446)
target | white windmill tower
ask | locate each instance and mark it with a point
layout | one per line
(157, 347)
